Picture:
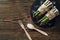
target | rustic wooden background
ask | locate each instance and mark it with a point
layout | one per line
(13, 10)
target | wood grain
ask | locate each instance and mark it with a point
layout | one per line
(20, 9)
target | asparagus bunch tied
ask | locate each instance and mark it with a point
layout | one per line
(42, 9)
(49, 16)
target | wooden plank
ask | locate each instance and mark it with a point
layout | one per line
(20, 9)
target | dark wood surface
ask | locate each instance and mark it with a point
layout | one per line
(13, 10)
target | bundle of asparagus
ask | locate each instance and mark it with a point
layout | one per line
(46, 12)
(42, 9)
(49, 16)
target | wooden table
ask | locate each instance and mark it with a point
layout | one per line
(13, 10)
